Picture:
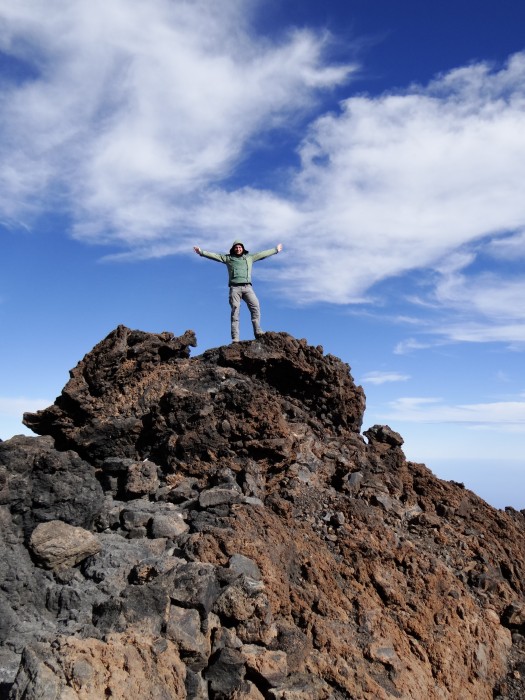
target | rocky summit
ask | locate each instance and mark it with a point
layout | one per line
(219, 527)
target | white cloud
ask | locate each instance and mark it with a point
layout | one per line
(138, 109)
(384, 377)
(506, 416)
(397, 182)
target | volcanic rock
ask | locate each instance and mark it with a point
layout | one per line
(218, 527)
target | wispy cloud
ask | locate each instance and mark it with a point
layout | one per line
(15, 407)
(406, 346)
(507, 416)
(484, 332)
(384, 377)
(470, 297)
(509, 247)
(485, 293)
(467, 303)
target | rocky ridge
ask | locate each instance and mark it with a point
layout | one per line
(218, 527)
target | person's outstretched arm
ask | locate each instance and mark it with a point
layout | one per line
(266, 253)
(219, 257)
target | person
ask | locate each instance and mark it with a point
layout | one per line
(239, 263)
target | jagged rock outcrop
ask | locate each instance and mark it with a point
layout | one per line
(218, 527)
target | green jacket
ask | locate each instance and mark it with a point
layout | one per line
(239, 268)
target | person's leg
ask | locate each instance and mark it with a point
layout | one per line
(235, 304)
(251, 300)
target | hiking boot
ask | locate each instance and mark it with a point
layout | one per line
(259, 334)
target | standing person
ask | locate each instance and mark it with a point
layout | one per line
(239, 263)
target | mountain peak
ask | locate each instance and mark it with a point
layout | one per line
(135, 395)
(218, 527)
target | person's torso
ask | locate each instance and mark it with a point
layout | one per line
(240, 269)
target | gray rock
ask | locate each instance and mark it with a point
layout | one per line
(132, 519)
(196, 686)
(36, 681)
(144, 607)
(195, 585)
(141, 479)
(354, 482)
(116, 465)
(185, 491)
(235, 605)
(216, 496)
(514, 615)
(243, 565)
(383, 434)
(9, 664)
(412, 512)
(42, 484)
(225, 637)
(301, 686)
(184, 629)
(252, 501)
(170, 526)
(271, 666)
(112, 566)
(226, 673)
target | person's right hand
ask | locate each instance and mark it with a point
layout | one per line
(197, 249)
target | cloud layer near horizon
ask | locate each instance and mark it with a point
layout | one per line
(503, 416)
(133, 119)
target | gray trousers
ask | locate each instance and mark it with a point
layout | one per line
(237, 294)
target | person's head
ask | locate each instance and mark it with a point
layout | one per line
(237, 248)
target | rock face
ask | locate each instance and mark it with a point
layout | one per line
(217, 527)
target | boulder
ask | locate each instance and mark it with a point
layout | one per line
(57, 545)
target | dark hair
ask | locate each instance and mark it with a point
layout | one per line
(244, 251)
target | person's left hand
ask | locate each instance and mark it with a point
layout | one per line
(279, 247)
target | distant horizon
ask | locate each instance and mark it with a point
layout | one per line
(494, 491)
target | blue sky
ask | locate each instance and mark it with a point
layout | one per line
(381, 141)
